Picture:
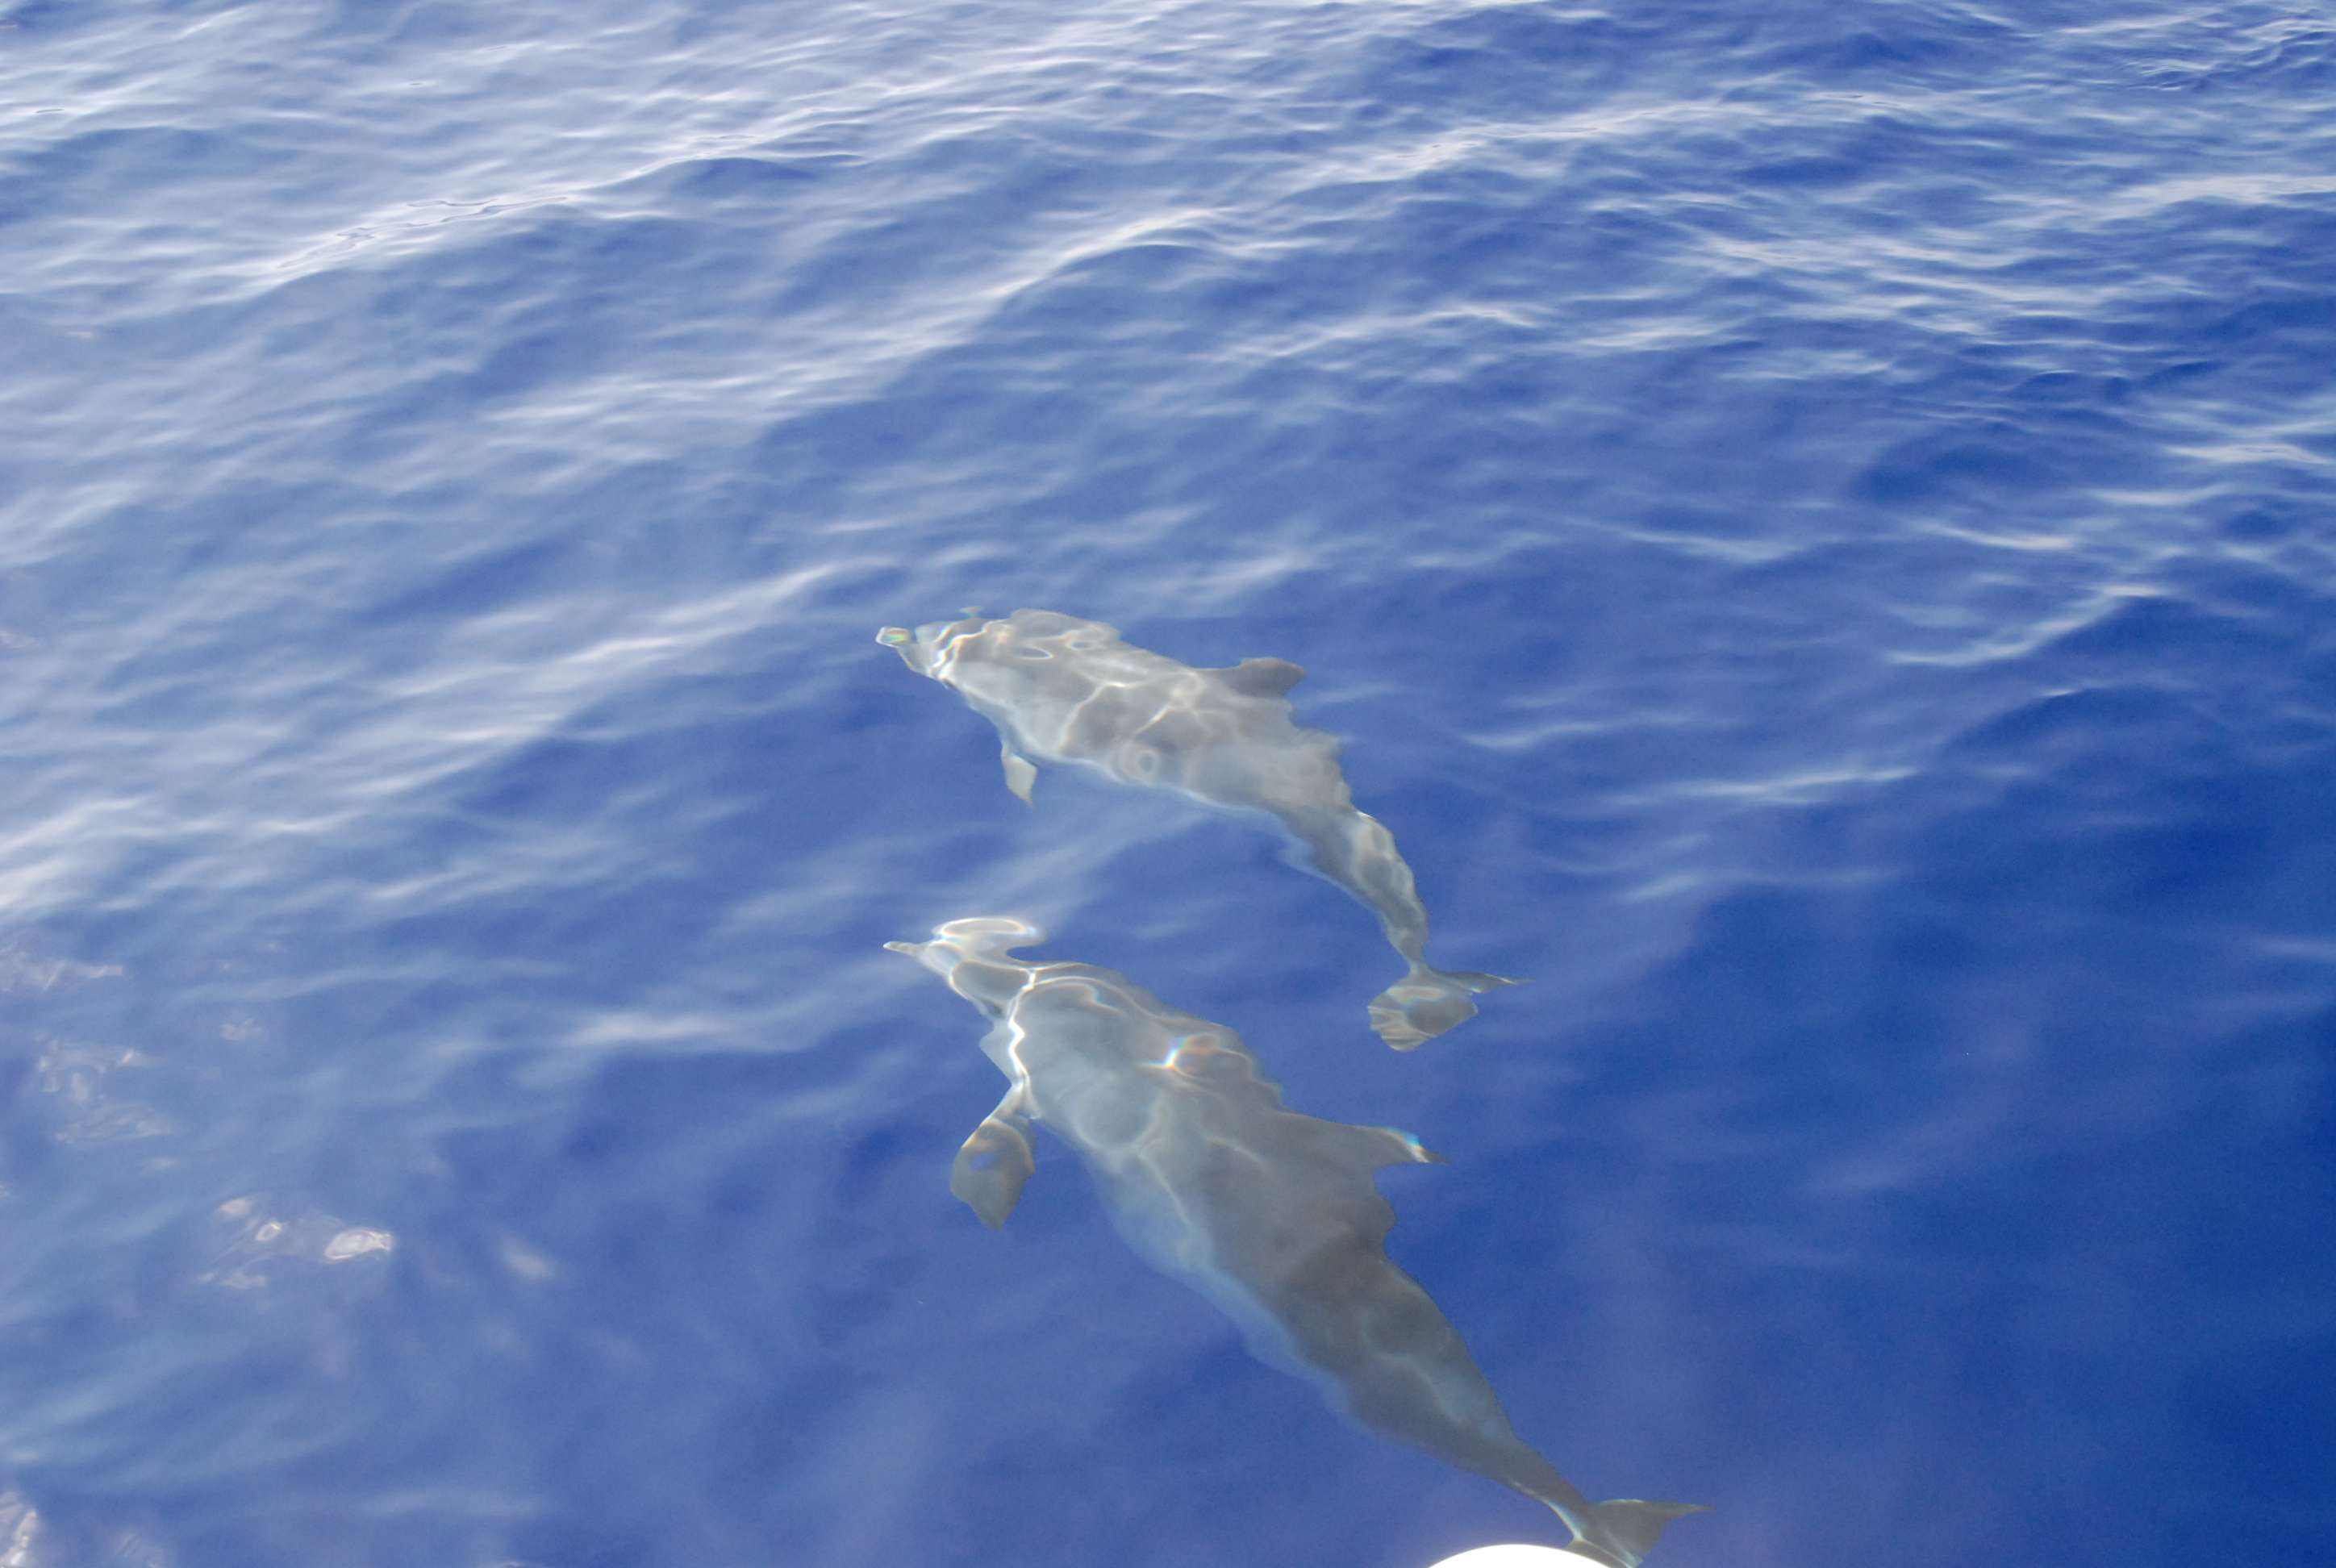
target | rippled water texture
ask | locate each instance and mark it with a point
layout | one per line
(1813, 524)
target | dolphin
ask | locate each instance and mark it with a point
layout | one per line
(1272, 1216)
(1065, 690)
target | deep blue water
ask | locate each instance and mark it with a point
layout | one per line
(1817, 525)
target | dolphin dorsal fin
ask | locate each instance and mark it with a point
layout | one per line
(1264, 676)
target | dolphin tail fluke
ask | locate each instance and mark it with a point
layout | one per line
(1621, 1532)
(1426, 1002)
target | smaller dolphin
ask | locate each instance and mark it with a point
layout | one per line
(1065, 690)
(1273, 1216)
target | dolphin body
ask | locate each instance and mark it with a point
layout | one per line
(1065, 690)
(1271, 1215)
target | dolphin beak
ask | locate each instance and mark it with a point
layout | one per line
(935, 956)
(914, 651)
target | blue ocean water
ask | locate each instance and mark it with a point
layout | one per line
(1817, 525)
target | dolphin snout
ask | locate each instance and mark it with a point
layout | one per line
(918, 656)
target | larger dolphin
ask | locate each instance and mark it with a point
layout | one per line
(1065, 690)
(1273, 1216)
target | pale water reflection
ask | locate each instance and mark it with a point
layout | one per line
(86, 1082)
(259, 1235)
(28, 1539)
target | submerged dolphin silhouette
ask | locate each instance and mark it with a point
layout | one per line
(1065, 690)
(1272, 1215)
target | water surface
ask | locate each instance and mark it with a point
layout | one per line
(1814, 529)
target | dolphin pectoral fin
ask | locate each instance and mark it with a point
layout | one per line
(995, 1163)
(1263, 677)
(1426, 1002)
(1020, 775)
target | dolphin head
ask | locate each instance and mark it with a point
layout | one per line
(971, 955)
